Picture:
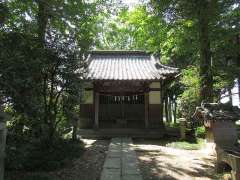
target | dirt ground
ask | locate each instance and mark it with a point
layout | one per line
(158, 162)
(87, 167)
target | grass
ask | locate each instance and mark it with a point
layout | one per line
(191, 143)
(187, 145)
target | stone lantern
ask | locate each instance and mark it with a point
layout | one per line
(220, 123)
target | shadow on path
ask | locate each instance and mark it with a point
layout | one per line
(158, 162)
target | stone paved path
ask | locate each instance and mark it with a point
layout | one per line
(121, 161)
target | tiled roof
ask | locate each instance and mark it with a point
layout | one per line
(126, 65)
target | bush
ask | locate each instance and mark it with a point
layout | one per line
(200, 132)
(33, 156)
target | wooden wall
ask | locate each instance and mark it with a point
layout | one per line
(86, 115)
(131, 114)
(134, 113)
(87, 109)
(154, 105)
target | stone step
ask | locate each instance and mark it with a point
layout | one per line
(134, 133)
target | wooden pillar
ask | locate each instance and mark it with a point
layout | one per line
(170, 109)
(96, 109)
(146, 101)
(161, 103)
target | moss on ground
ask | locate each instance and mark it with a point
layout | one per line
(187, 145)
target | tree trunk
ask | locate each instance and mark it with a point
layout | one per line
(175, 111)
(230, 95)
(3, 133)
(238, 63)
(170, 109)
(206, 77)
(51, 135)
(161, 104)
(238, 90)
(19, 125)
(74, 133)
(161, 112)
(42, 19)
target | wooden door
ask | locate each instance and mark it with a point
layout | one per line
(121, 111)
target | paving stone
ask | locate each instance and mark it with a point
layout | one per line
(121, 161)
(114, 148)
(130, 168)
(112, 145)
(129, 163)
(129, 154)
(114, 151)
(111, 174)
(114, 154)
(129, 159)
(126, 147)
(132, 177)
(116, 140)
(127, 140)
(131, 171)
(115, 144)
(112, 162)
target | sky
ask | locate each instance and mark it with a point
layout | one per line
(131, 3)
(235, 97)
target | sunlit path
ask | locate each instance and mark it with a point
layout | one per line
(121, 161)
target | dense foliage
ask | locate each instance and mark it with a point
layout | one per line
(199, 37)
(26, 154)
(44, 46)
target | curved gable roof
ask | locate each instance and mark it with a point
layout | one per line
(126, 65)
